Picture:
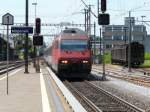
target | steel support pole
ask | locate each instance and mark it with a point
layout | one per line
(100, 47)
(94, 41)
(97, 7)
(7, 54)
(26, 38)
(129, 48)
(34, 48)
(104, 75)
(89, 20)
(125, 36)
(85, 19)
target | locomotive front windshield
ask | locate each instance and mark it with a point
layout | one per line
(74, 45)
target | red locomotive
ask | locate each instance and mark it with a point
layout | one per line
(70, 53)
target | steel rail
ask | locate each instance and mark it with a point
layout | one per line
(141, 77)
(142, 80)
(4, 70)
(81, 96)
(130, 107)
(17, 64)
(107, 102)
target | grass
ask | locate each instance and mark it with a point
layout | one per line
(147, 56)
(146, 64)
(147, 61)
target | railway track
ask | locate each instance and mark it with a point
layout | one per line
(136, 79)
(122, 72)
(88, 105)
(144, 71)
(11, 66)
(99, 99)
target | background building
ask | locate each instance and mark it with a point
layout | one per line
(118, 34)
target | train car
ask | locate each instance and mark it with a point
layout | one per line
(120, 54)
(70, 53)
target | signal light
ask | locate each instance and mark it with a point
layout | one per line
(103, 19)
(38, 26)
(103, 5)
(37, 40)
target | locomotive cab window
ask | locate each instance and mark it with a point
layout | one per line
(69, 31)
(74, 45)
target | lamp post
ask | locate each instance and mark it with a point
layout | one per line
(142, 18)
(34, 4)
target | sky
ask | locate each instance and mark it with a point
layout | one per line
(57, 11)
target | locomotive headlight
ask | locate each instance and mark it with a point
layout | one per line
(64, 61)
(84, 61)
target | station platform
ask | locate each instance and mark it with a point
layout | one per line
(24, 92)
(33, 92)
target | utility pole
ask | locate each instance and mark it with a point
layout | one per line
(94, 41)
(85, 11)
(129, 48)
(89, 20)
(125, 35)
(100, 43)
(104, 75)
(26, 38)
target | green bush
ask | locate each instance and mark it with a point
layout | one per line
(146, 64)
(147, 56)
(21, 55)
(107, 58)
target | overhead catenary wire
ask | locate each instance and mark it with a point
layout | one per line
(88, 7)
(146, 23)
(135, 9)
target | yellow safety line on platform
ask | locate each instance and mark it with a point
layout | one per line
(45, 101)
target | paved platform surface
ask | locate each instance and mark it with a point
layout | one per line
(36, 92)
(24, 92)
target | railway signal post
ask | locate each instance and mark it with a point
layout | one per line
(103, 19)
(37, 41)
